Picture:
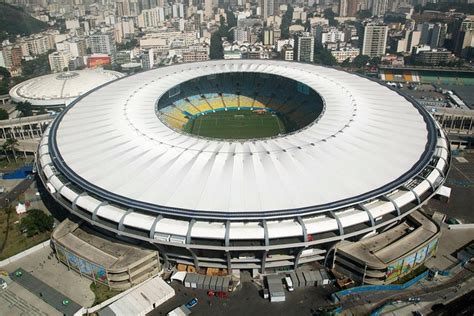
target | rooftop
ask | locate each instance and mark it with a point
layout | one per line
(91, 245)
(395, 243)
(369, 140)
(61, 88)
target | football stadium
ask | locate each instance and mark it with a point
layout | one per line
(248, 165)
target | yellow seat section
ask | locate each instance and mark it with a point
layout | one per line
(258, 104)
(174, 117)
(245, 101)
(201, 105)
(185, 106)
(216, 103)
(231, 101)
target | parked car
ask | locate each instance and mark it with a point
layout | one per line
(453, 221)
(191, 303)
(3, 284)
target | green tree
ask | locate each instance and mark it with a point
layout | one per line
(231, 19)
(5, 73)
(364, 14)
(329, 14)
(35, 222)
(323, 56)
(3, 87)
(10, 145)
(4, 114)
(286, 22)
(346, 63)
(360, 61)
(216, 51)
(375, 61)
(5, 80)
(36, 67)
(25, 108)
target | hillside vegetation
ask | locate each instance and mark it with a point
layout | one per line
(15, 21)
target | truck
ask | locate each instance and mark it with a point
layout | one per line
(289, 284)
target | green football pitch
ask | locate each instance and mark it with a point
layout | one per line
(235, 124)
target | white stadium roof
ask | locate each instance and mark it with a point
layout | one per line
(61, 88)
(111, 143)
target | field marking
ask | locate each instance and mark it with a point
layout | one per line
(461, 159)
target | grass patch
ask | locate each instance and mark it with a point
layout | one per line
(102, 293)
(12, 239)
(236, 124)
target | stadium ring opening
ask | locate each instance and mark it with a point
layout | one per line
(240, 110)
(369, 157)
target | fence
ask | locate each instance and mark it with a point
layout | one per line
(336, 297)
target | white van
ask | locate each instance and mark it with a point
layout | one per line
(289, 284)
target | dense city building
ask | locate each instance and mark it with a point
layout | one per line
(375, 40)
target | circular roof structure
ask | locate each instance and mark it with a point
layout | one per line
(368, 140)
(60, 89)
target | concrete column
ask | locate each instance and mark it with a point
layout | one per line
(229, 262)
(264, 262)
(297, 258)
(195, 259)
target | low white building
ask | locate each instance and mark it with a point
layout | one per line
(344, 53)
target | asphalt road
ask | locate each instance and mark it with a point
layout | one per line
(247, 300)
(439, 293)
(15, 192)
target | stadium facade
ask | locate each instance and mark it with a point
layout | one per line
(120, 159)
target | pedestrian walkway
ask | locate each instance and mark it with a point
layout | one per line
(45, 292)
(16, 302)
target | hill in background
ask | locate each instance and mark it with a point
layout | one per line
(15, 21)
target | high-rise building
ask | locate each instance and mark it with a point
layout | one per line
(241, 34)
(59, 60)
(379, 7)
(343, 4)
(438, 35)
(208, 9)
(76, 46)
(413, 40)
(352, 7)
(151, 17)
(268, 37)
(124, 28)
(348, 7)
(304, 47)
(147, 59)
(287, 52)
(433, 34)
(426, 30)
(40, 43)
(17, 56)
(375, 40)
(267, 8)
(104, 43)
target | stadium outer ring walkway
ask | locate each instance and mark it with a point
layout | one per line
(274, 239)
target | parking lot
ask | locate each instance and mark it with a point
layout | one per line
(461, 181)
(248, 300)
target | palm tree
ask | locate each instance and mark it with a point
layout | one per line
(25, 108)
(10, 145)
